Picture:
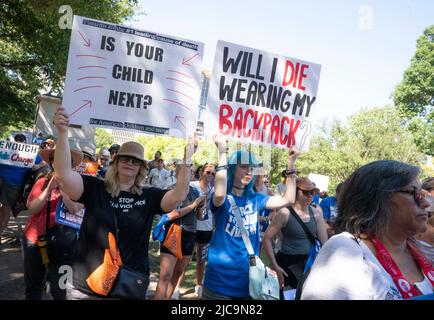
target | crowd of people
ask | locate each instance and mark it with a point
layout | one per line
(375, 235)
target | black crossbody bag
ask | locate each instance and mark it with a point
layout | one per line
(129, 284)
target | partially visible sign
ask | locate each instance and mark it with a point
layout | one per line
(66, 218)
(87, 168)
(321, 181)
(18, 154)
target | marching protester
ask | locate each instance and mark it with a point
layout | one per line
(112, 249)
(40, 259)
(227, 270)
(173, 264)
(159, 177)
(114, 148)
(103, 162)
(381, 207)
(289, 262)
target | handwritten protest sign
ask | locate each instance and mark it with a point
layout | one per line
(125, 78)
(66, 218)
(263, 98)
(18, 154)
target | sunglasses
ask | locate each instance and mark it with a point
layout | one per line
(134, 161)
(417, 195)
(308, 192)
(210, 173)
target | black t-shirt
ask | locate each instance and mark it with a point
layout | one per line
(134, 218)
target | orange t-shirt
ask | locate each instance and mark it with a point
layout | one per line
(36, 224)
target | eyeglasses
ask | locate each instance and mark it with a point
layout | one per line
(134, 161)
(418, 195)
(210, 173)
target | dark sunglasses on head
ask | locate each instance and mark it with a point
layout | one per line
(418, 195)
(210, 173)
(134, 161)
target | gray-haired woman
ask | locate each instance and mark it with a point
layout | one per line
(380, 208)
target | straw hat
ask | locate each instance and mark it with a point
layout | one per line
(48, 155)
(306, 185)
(132, 149)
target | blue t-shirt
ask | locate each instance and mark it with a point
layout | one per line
(14, 176)
(227, 271)
(328, 206)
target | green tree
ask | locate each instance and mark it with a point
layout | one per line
(34, 50)
(371, 134)
(103, 139)
(414, 95)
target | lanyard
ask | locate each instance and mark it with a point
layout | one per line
(406, 289)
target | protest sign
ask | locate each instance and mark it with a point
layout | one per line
(87, 167)
(124, 78)
(66, 218)
(260, 97)
(18, 154)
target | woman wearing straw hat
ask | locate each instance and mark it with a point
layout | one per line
(119, 214)
(42, 203)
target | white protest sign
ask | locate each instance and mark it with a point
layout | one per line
(125, 78)
(260, 97)
(321, 181)
(18, 154)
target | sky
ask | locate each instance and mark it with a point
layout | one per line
(363, 47)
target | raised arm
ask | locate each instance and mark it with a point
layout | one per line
(277, 201)
(179, 193)
(278, 222)
(35, 206)
(70, 181)
(221, 176)
(175, 214)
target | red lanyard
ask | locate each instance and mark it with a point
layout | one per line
(406, 289)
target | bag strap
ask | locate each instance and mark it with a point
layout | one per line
(303, 225)
(47, 218)
(236, 211)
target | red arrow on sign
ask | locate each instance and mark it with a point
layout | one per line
(88, 102)
(86, 42)
(177, 118)
(184, 62)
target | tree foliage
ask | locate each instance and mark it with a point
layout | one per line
(103, 139)
(34, 50)
(371, 134)
(414, 95)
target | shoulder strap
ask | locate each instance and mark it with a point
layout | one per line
(303, 225)
(237, 214)
(47, 218)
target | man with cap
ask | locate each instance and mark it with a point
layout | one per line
(154, 163)
(159, 177)
(120, 209)
(103, 162)
(290, 260)
(114, 150)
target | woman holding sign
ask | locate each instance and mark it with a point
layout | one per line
(114, 235)
(227, 271)
(40, 257)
